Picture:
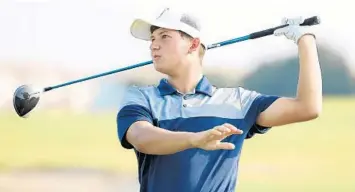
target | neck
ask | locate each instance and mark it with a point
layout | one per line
(187, 80)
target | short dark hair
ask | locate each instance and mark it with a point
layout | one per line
(153, 28)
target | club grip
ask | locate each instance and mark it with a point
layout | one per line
(47, 89)
(315, 20)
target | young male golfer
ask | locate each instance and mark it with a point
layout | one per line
(187, 134)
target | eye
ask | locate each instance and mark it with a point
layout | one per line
(164, 36)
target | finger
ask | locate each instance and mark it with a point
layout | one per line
(225, 145)
(233, 128)
(217, 133)
(292, 21)
(279, 32)
(212, 133)
(297, 20)
(230, 126)
(222, 137)
(223, 129)
(284, 21)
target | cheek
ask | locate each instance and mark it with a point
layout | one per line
(179, 50)
(173, 51)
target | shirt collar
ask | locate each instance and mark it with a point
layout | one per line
(204, 86)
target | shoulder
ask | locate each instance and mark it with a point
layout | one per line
(247, 98)
(146, 90)
(133, 94)
(139, 94)
(255, 102)
(231, 90)
(149, 93)
(243, 91)
(238, 93)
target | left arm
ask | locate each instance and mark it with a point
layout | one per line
(308, 103)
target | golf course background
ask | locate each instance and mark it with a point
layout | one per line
(311, 156)
(74, 129)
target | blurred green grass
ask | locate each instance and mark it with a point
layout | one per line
(311, 156)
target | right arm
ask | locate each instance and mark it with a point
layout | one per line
(149, 139)
(136, 130)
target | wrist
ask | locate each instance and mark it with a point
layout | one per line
(191, 140)
(306, 38)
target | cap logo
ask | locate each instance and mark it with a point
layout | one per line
(166, 9)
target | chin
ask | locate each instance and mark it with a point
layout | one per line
(161, 68)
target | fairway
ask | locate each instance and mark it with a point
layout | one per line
(312, 156)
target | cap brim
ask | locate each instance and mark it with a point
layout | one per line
(140, 28)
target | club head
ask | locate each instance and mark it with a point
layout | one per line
(25, 99)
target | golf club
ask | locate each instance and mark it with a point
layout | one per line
(26, 97)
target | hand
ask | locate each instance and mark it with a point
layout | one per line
(211, 139)
(293, 31)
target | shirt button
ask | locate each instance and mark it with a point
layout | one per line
(184, 105)
(185, 97)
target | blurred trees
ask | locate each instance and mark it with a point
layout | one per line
(280, 77)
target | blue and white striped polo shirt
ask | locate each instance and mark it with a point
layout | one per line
(208, 106)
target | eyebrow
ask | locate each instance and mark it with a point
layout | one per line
(159, 33)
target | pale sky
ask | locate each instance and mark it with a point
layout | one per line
(95, 33)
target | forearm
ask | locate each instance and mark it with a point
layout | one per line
(309, 92)
(154, 140)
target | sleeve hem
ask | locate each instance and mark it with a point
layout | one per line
(126, 117)
(261, 103)
(124, 143)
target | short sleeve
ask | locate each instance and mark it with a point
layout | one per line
(133, 107)
(254, 103)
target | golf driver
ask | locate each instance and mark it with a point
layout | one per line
(26, 97)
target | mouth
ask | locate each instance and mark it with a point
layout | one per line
(155, 57)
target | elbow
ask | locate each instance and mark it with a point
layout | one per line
(142, 147)
(312, 112)
(313, 115)
(139, 139)
(309, 109)
(144, 144)
(139, 143)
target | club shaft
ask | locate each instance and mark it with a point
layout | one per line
(99, 75)
(230, 41)
(309, 21)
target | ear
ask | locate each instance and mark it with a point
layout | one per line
(194, 45)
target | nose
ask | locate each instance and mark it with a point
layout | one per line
(154, 46)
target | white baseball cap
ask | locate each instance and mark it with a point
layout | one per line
(169, 19)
